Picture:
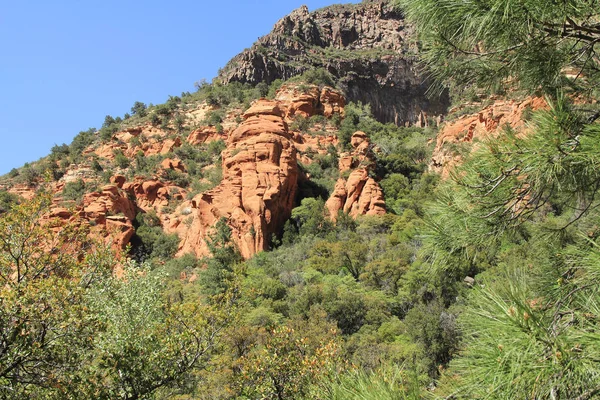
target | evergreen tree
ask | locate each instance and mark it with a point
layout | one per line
(530, 43)
(519, 211)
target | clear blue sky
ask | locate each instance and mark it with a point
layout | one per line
(65, 65)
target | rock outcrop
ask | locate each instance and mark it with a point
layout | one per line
(258, 189)
(308, 100)
(109, 212)
(477, 127)
(367, 47)
(174, 164)
(359, 194)
(205, 134)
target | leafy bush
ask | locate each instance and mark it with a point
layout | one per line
(216, 147)
(315, 76)
(151, 241)
(139, 109)
(58, 153)
(121, 160)
(74, 190)
(81, 141)
(7, 200)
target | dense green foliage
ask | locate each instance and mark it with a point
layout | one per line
(493, 43)
(151, 241)
(71, 329)
(7, 200)
(520, 213)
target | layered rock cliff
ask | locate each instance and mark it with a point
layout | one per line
(259, 183)
(366, 47)
(359, 193)
(470, 129)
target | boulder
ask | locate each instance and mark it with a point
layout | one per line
(175, 164)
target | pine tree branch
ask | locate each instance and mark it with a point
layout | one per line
(589, 394)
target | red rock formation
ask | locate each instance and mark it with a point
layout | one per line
(361, 155)
(148, 194)
(296, 101)
(317, 144)
(257, 193)
(25, 191)
(175, 164)
(487, 123)
(118, 180)
(332, 102)
(112, 214)
(359, 194)
(164, 147)
(308, 100)
(205, 134)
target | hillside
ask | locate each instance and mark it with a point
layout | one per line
(166, 160)
(316, 224)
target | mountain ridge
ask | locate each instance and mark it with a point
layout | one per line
(367, 47)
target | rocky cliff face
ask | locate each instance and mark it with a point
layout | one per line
(359, 194)
(367, 47)
(470, 129)
(260, 171)
(258, 189)
(170, 162)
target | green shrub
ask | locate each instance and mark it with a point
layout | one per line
(315, 76)
(274, 87)
(216, 147)
(74, 190)
(30, 174)
(155, 119)
(215, 117)
(178, 178)
(121, 159)
(108, 121)
(58, 153)
(96, 166)
(179, 122)
(81, 142)
(151, 241)
(139, 109)
(7, 200)
(300, 123)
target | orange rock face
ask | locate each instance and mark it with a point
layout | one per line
(148, 194)
(487, 123)
(308, 100)
(359, 194)
(112, 214)
(332, 102)
(295, 102)
(176, 164)
(260, 176)
(204, 135)
(22, 190)
(259, 183)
